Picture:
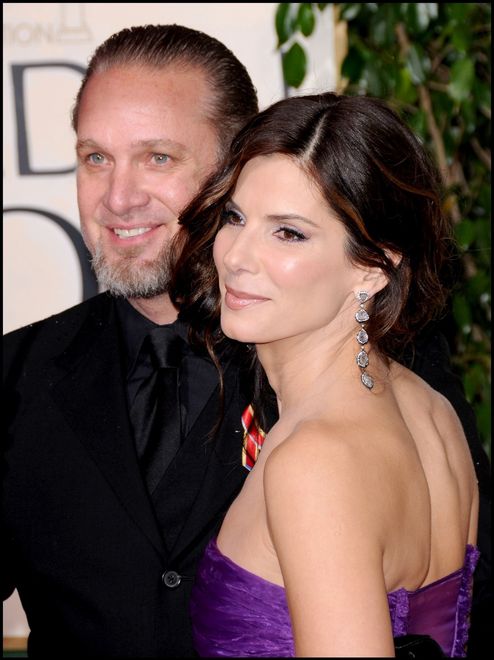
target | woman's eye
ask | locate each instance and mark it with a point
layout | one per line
(160, 159)
(231, 217)
(291, 235)
(95, 159)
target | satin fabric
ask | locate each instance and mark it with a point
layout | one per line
(238, 614)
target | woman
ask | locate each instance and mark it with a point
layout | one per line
(357, 523)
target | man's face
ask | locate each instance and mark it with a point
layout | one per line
(144, 146)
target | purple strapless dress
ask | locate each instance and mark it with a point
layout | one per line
(238, 614)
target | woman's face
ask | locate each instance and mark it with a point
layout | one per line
(280, 257)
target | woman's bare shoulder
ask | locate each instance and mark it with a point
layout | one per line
(313, 444)
(326, 461)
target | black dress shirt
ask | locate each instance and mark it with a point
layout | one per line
(196, 372)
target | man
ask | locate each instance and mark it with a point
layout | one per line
(104, 520)
(102, 560)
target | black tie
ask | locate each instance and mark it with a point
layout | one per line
(155, 412)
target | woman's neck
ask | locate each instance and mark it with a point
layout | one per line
(302, 368)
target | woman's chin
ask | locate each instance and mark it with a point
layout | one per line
(232, 332)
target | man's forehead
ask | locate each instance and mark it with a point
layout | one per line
(177, 93)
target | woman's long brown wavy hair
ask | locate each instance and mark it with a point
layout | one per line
(375, 176)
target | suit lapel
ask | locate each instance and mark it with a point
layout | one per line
(91, 394)
(207, 472)
(199, 379)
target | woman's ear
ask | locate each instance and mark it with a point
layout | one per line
(374, 279)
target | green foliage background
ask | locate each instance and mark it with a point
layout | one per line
(432, 62)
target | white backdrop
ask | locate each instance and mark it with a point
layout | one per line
(46, 48)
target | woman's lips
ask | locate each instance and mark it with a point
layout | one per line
(241, 299)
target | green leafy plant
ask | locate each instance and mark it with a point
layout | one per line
(432, 62)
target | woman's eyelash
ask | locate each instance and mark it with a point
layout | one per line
(284, 233)
(291, 234)
(229, 216)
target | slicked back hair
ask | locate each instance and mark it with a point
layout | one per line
(233, 99)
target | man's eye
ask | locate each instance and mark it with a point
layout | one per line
(160, 159)
(95, 159)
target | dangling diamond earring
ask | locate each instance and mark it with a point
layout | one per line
(362, 337)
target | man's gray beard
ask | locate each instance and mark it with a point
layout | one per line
(130, 277)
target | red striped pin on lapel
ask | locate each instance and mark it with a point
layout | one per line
(253, 438)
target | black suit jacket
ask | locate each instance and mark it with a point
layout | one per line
(83, 546)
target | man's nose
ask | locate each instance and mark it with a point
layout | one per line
(125, 191)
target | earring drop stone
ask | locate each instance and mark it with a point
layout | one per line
(362, 316)
(362, 359)
(362, 337)
(367, 380)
